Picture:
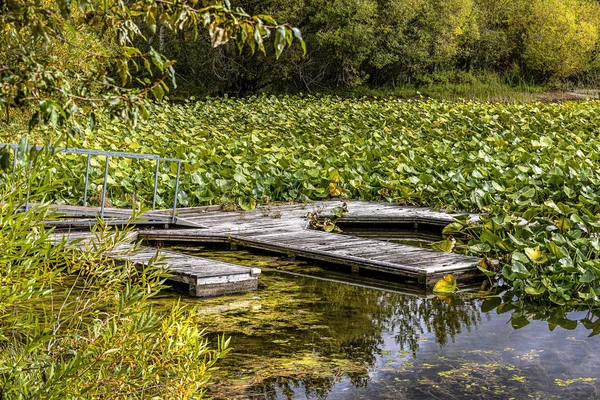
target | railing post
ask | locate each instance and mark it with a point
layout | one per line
(87, 175)
(155, 184)
(176, 191)
(104, 187)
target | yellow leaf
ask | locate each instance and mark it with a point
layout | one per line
(445, 245)
(335, 190)
(445, 298)
(535, 255)
(445, 285)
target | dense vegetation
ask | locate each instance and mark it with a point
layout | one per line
(400, 43)
(531, 170)
(76, 324)
(61, 60)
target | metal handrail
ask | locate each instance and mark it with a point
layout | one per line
(108, 154)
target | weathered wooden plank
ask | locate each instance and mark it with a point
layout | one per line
(288, 234)
(205, 277)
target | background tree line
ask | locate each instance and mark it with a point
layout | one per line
(383, 43)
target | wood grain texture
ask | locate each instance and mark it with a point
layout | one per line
(205, 277)
(282, 229)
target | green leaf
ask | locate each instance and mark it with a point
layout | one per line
(444, 245)
(490, 304)
(4, 160)
(298, 35)
(453, 228)
(279, 41)
(445, 285)
(529, 193)
(567, 324)
(489, 237)
(555, 249)
(519, 269)
(268, 19)
(158, 92)
(533, 291)
(92, 121)
(23, 150)
(240, 178)
(486, 272)
(518, 321)
(587, 277)
(480, 248)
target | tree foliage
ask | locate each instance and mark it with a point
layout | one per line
(560, 36)
(66, 59)
(397, 42)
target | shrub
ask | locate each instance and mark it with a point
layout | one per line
(75, 324)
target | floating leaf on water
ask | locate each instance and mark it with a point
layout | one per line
(587, 276)
(490, 304)
(535, 255)
(519, 321)
(445, 285)
(444, 245)
(534, 291)
(519, 269)
(453, 228)
(445, 298)
(480, 248)
(489, 237)
(484, 266)
(562, 223)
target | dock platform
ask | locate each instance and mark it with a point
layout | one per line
(282, 229)
(203, 276)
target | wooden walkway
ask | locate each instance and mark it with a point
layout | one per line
(204, 277)
(282, 229)
(72, 216)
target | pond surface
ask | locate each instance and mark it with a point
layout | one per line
(410, 234)
(300, 337)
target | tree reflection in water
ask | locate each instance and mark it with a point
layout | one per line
(300, 337)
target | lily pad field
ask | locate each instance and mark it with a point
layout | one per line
(531, 170)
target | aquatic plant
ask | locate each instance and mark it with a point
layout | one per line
(530, 170)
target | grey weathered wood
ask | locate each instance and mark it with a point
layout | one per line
(204, 277)
(282, 229)
(288, 234)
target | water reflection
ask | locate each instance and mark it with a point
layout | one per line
(299, 337)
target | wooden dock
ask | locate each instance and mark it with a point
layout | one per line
(282, 229)
(204, 277)
(80, 216)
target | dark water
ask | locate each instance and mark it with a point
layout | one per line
(299, 337)
(408, 234)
